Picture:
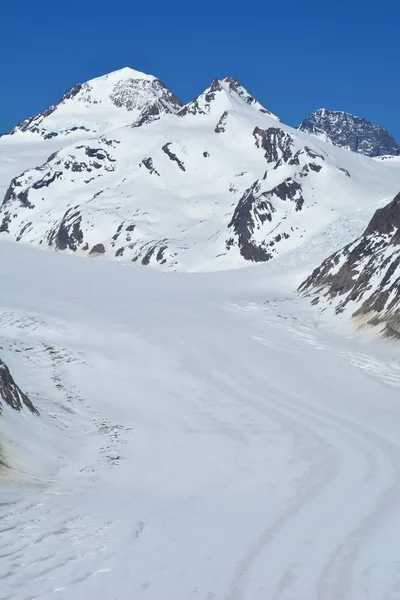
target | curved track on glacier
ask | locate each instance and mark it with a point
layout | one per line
(205, 446)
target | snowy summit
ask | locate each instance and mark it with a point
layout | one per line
(96, 106)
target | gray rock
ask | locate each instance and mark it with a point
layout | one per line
(347, 131)
(369, 273)
(11, 394)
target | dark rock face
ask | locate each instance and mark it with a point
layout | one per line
(256, 207)
(11, 394)
(4, 226)
(98, 249)
(252, 206)
(173, 156)
(14, 194)
(47, 180)
(386, 220)
(220, 126)
(149, 114)
(365, 272)
(67, 235)
(148, 163)
(157, 249)
(347, 131)
(276, 143)
(264, 203)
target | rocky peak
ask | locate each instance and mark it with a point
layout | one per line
(234, 87)
(220, 93)
(116, 99)
(350, 132)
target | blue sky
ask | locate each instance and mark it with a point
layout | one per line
(294, 57)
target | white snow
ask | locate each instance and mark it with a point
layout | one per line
(101, 104)
(204, 438)
(188, 209)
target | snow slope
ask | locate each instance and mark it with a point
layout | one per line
(204, 187)
(201, 436)
(99, 105)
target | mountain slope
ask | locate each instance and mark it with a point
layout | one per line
(220, 95)
(210, 185)
(347, 131)
(364, 276)
(118, 98)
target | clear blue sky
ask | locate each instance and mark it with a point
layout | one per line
(294, 56)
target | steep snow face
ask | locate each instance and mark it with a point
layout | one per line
(350, 132)
(211, 186)
(363, 278)
(223, 94)
(119, 98)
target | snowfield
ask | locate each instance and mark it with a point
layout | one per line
(201, 436)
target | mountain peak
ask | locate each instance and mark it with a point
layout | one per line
(351, 132)
(113, 100)
(124, 73)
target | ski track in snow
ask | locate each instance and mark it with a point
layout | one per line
(204, 446)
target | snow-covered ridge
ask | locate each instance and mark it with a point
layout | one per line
(221, 95)
(205, 186)
(101, 104)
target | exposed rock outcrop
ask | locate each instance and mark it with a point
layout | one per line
(364, 276)
(11, 394)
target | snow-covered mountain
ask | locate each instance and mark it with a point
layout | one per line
(201, 187)
(121, 97)
(347, 131)
(363, 278)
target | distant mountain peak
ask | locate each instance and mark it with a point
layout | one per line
(351, 132)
